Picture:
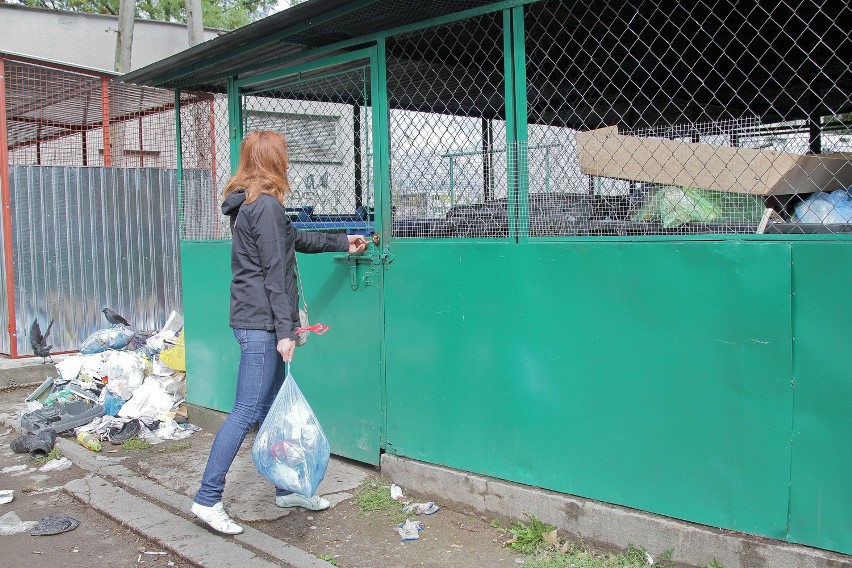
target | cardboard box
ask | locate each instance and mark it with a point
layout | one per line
(606, 153)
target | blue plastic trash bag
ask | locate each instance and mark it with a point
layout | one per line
(103, 339)
(291, 450)
(828, 208)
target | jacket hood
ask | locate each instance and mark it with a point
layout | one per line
(233, 202)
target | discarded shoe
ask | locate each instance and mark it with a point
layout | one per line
(118, 436)
(217, 518)
(55, 525)
(315, 503)
(37, 445)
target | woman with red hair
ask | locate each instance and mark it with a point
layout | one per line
(264, 309)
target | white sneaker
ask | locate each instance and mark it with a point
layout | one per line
(217, 518)
(315, 503)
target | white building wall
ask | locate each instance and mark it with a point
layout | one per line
(87, 40)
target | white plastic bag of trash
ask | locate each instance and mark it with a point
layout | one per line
(421, 508)
(10, 523)
(125, 370)
(148, 401)
(396, 492)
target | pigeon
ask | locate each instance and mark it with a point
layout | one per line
(114, 318)
(39, 342)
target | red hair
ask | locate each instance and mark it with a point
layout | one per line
(263, 167)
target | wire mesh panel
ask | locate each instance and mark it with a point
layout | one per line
(206, 166)
(448, 130)
(667, 117)
(326, 120)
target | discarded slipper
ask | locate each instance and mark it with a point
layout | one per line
(54, 525)
(118, 436)
(6, 496)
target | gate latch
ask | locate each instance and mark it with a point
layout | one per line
(354, 260)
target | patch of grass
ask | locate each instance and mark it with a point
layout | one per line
(135, 445)
(580, 556)
(176, 447)
(714, 564)
(528, 537)
(328, 558)
(54, 454)
(374, 496)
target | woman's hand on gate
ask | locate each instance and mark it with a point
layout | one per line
(357, 243)
(285, 347)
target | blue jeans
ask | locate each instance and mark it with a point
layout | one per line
(261, 374)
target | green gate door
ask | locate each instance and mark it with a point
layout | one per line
(324, 110)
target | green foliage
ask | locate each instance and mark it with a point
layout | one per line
(54, 454)
(222, 14)
(135, 444)
(714, 564)
(328, 558)
(528, 536)
(374, 496)
(578, 555)
(176, 447)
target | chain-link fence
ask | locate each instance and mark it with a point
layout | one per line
(666, 117)
(642, 118)
(448, 135)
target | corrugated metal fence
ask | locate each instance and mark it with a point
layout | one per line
(85, 238)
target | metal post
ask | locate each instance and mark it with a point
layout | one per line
(814, 120)
(194, 22)
(179, 164)
(6, 196)
(359, 181)
(452, 181)
(547, 169)
(105, 120)
(141, 146)
(213, 173)
(487, 159)
(124, 37)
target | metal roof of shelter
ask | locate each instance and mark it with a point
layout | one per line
(261, 45)
(774, 72)
(46, 100)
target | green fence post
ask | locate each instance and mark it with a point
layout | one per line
(519, 80)
(235, 122)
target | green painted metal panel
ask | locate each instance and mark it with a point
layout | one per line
(652, 375)
(339, 371)
(212, 353)
(821, 492)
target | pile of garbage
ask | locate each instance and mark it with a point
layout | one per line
(124, 384)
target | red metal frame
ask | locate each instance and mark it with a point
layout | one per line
(6, 196)
(105, 120)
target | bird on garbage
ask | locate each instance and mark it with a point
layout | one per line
(39, 342)
(114, 318)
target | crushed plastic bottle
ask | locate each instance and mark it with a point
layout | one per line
(89, 441)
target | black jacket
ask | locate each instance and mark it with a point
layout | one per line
(264, 294)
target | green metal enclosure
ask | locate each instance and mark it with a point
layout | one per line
(531, 317)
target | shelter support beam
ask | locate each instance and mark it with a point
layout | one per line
(6, 196)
